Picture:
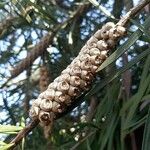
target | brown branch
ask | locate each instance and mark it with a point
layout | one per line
(24, 132)
(34, 123)
(41, 47)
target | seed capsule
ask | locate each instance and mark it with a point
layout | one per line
(84, 57)
(45, 117)
(84, 50)
(75, 81)
(49, 94)
(75, 71)
(111, 43)
(34, 111)
(98, 35)
(104, 34)
(85, 65)
(121, 30)
(91, 41)
(101, 45)
(53, 85)
(87, 76)
(96, 59)
(46, 105)
(36, 102)
(73, 91)
(108, 26)
(63, 86)
(94, 51)
(56, 107)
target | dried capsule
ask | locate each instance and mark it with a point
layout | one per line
(91, 41)
(104, 34)
(103, 55)
(63, 86)
(76, 63)
(96, 59)
(98, 35)
(111, 43)
(101, 45)
(49, 94)
(46, 105)
(87, 76)
(59, 97)
(53, 85)
(85, 65)
(67, 70)
(108, 26)
(93, 45)
(84, 50)
(121, 30)
(34, 111)
(94, 51)
(73, 91)
(75, 71)
(62, 98)
(36, 102)
(113, 34)
(45, 117)
(75, 81)
(93, 69)
(56, 107)
(65, 77)
(84, 57)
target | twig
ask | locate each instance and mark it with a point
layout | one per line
(34, 123)
(24, 132)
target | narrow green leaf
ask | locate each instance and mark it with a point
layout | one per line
(9, 128)
(146, 138)
(6, 147)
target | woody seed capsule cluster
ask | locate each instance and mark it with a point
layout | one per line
(77, 77)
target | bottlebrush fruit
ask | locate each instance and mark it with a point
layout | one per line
(78, 76)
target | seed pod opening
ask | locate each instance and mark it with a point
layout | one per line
(104, 34)
(59, 97)
(45, 117)
(73, 91)
(96, 59)
(75, 81)
(85, 65)
(63, 86)
(46, 105)
(87, 76)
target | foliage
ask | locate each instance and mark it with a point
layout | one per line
(115, 113)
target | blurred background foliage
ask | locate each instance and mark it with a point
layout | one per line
(115, 113)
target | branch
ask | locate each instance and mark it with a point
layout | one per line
(78, 100)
